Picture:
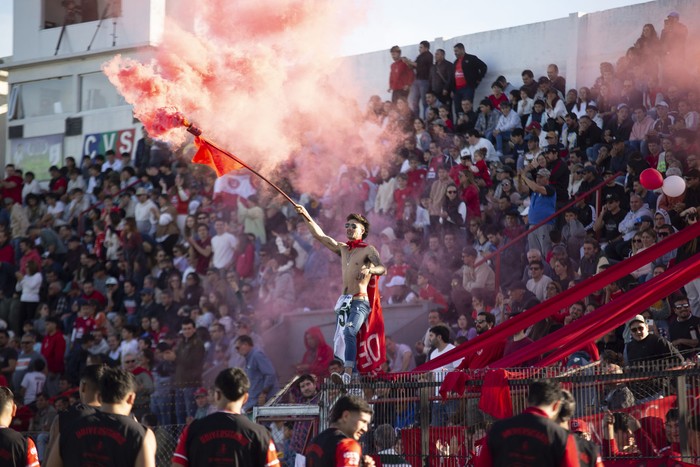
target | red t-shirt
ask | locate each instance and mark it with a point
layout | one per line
(460, 81)
(16, 192)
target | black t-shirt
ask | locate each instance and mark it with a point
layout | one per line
(588, 452)
(225, 439)
(13, 448)
(527, 439)
(611, 222)
(688, 329)
(101, 440)
(74, 412)
(332, 448)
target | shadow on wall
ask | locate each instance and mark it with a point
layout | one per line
(284, 342)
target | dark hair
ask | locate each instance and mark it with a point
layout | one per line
(187, 321)
(567, 408)
(537, 262)
(488, 317)
(349, 404)
(544, 392)
(6, 397)
(305, 377)
(245, 339)
(115, 385)
(362, 220)
(425, 44)
(442, 331)
(527, 73)
(459, 45)
(39, 364)
(673, 414)
(233, 383)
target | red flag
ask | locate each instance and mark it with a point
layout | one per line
(220, 161)
(371, 349)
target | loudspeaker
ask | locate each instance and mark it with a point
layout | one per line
(15, 132)
(74, 126)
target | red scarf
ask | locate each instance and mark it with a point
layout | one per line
(355, 244)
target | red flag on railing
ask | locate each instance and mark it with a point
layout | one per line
(221, 162)
(371, 348)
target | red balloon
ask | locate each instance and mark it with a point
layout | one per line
(651, 179)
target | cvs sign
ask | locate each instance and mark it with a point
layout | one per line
(119, 141)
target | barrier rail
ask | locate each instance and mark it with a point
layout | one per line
(516, 240)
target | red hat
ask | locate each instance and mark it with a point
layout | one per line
(200, 392)
(579, 426)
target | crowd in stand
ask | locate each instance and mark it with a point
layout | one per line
(140, 264)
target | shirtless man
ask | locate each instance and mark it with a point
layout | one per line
(359, 262)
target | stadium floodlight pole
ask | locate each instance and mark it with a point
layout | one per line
(196, 131)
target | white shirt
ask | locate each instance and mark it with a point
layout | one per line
(129, 347)
(490, 150)
(223, 247)
(32, 187)
(145, 211)
(116, 165)
(33, 384)
(539, 288)
(29, 286)
(439, 373)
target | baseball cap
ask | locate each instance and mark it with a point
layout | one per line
(396, 281)
(662, 104)
(579, 426)
(641, 219)
(111, 281)
(544, 173)
(612, 197)
(200, 392)
(591, 169)
(673, 14)
(551, 148)
(147, 290)
(637, 318)
(518, 285)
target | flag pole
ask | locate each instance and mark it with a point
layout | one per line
(191, 128)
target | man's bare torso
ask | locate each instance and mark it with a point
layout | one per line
(352, 263)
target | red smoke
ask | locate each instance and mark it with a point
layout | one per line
(259, 78)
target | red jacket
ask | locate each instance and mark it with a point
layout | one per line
(400, 76)
(319, 358)
(53, 349)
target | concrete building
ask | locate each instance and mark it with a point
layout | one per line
(60, 104)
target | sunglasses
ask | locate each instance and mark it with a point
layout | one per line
(663, 234)
(637, 329)
(451, 192)
(350, 225)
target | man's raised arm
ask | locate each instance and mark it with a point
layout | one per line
(316, 230)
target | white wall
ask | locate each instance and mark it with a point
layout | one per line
(141, 23)
(577, 44)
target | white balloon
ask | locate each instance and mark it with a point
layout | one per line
(674, 186)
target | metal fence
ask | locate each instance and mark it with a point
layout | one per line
(426, 429)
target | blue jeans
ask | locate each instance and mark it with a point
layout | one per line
(162, 401)
(503, 136)
(416, 96)
(359, 311)
(185, 405)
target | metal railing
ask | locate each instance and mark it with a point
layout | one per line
(497, 254)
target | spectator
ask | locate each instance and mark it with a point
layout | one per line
(263, 377)
(400, 77)
(189, 355)
(15, 442)
(647, 349)
(317, 356)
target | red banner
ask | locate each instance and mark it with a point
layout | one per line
(542, 311)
